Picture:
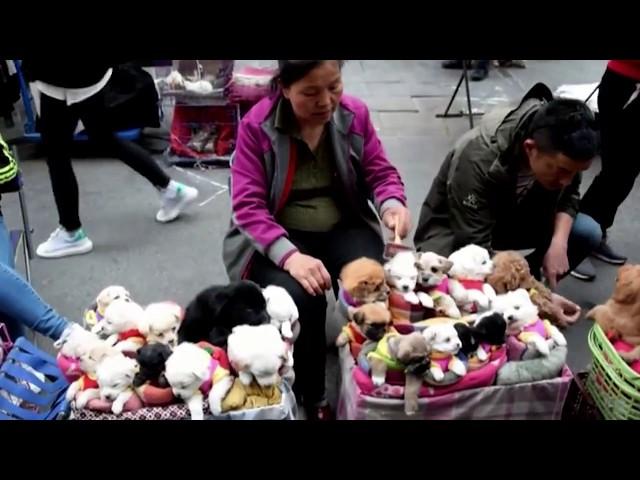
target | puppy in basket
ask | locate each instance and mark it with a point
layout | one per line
(90, 353)
(192, 373)
(368, 322)
(401, 273)
(433, 279)
(444, 345)
(524, 322)
(471, 266)
(362, 281)
(95, 313)
(257, 353)
(122, 324)
(619, 317)
(115, 376)
(160, 323)
(284, 316)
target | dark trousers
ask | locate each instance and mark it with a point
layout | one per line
(335, 249)
(620, 158)
(58, 123)
(522, 229)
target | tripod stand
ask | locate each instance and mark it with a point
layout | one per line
(463, 77)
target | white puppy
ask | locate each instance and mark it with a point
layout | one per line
(90, 354)
(115, 377)
(471, 266)
(257, 352)
(444, 345)
(160, 323)
(122, 323)
(282, 310)
(432, 272)
(192, 373)
(72, 340)
(523, 320)
(108, 295)
(401, 273)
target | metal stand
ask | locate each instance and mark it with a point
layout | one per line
(464, 77)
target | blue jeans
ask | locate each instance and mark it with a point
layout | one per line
(20, 305)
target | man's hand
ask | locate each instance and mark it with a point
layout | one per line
(566, 311)
(555, 263)
(397, 219)
(309, 272)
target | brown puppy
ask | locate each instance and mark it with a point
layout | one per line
(511, 272)
(620, 315)
(368, 322)
(363, 281)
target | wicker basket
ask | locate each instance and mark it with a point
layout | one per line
(613, 385)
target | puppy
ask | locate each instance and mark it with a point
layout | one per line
(368, 322)
(396, 352)
(432, 279)
(282, 311)
(401, 274)
(152, 359)
(160, 323)
(363, 281)
(70, 344)
(115, 376)
(257, 352)
(122, 322)
(511, 272)
(108, 295)
(524, 322)
(444, 344)
(90, 353)
(471, 266)
(619, 317)
(216, 310)
(193, 373)
(485, 335)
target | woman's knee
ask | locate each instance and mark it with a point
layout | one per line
(586, 231)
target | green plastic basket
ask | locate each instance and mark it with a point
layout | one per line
(614, 387)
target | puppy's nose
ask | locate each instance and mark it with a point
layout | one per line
(405, 288)
(510, 318)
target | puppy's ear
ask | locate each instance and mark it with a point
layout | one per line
(359, 317)
(430, 334)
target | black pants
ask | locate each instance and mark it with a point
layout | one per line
(58, 123)
(335, 249)
(531, 224)
(620, 157)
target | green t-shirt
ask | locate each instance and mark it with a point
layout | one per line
(311, 206)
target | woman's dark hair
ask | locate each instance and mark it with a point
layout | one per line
(290, 71)
(566, 126)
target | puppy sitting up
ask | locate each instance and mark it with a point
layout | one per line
(471, 266)
(444, 344)
(433, 279)
(362, 281)
(122, 323)
(402, 276)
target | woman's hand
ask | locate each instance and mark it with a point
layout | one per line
(309, 272)
(397, 219)
(566, 311)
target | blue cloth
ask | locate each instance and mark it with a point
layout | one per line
(20, 305)
(585, 236)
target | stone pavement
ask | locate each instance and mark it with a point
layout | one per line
(175, 261)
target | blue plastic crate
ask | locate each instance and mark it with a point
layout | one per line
(39, 399)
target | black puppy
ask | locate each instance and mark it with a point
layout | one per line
(216, 310)
(489, 329)
(151, 358)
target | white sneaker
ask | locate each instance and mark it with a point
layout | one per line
(175, 199)
(63, 244)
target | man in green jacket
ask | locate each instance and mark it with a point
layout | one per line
(512, 183)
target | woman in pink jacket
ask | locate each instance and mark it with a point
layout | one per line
(307, 165)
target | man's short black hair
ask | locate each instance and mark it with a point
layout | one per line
(566, 126)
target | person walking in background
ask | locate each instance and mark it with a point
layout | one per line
(619, 118)
(74, 89)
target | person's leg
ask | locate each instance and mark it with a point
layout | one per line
(176, 196)
(56, 127)
(309, 354)
(481, 70)
(21, 306)
(350, 242)
(6, 255)
(619, 124)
